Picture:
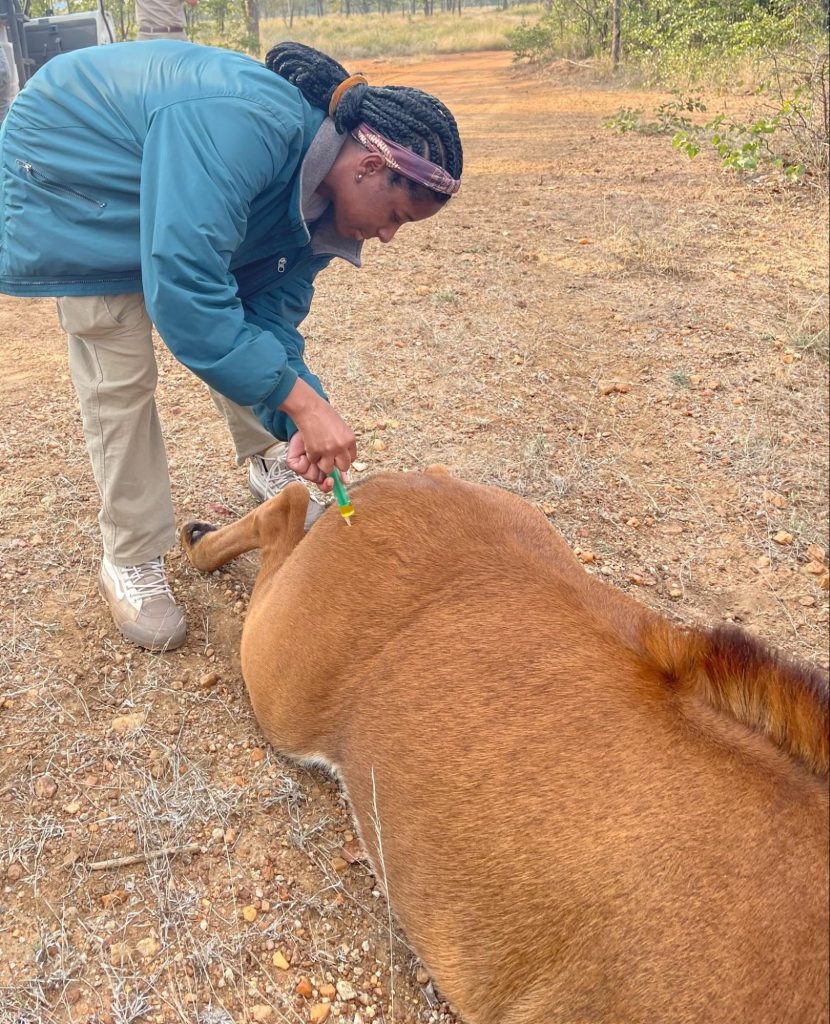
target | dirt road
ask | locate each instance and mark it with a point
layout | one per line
(631, 341)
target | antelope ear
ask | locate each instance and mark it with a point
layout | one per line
(436, 469)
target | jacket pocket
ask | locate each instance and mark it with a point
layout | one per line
(57, 187)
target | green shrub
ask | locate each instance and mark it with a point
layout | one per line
(788, 129)
(680, 42)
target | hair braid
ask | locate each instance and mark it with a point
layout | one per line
(407, 116)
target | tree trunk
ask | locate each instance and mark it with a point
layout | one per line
(615, 33)
(252, 19)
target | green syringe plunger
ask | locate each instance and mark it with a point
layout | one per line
(341, 496)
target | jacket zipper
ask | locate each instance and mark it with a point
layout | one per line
(56, 186)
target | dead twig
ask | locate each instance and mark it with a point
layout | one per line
(140, 858)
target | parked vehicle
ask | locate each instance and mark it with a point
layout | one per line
(29, 42)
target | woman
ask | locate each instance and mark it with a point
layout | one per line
(200, 191)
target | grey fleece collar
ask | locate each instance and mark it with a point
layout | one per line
(323, 151)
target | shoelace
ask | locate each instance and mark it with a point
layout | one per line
(278, 475)
(146, 580)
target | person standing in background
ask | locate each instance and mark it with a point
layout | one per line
(161, 19)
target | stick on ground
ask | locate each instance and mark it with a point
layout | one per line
(139, 858)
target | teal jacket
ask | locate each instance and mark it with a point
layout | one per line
(176, 170)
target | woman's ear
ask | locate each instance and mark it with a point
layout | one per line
(370, 163)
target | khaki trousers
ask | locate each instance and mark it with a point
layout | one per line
(113, 368)
(161, 35)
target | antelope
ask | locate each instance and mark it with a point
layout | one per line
(580, 811)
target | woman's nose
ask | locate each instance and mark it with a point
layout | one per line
(388, 233)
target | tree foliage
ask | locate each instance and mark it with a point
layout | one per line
(665, 38)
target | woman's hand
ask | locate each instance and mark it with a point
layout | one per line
(323, 440)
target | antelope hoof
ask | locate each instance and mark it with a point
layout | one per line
(192, 533)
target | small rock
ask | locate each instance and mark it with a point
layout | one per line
(817, 553)
(775, 499)
(345, 991)
(249, 913)
(587, 557)
(45, 787)
(119, 954)
(378, 445)
(339, 864)
(359, 467)
(114, 899)
(783, 537)
(72, 857)
(257, 754)
(209, 679)
(328, 991)
(353, 852)
(815, 568)
(319, 1013)
(261, 1012)
(303, 988)
(72, 808)
(72, 994)
(124, 724)
(422, 976)
(14, 871)
(148, 947)
(278, 960)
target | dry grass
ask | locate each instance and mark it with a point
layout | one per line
(662, 251)
(371, 36)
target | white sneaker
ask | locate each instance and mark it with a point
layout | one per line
(142, 605)
(268, 475)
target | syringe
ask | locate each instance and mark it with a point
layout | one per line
(341, 496)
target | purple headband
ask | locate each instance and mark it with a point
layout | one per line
(405, 162)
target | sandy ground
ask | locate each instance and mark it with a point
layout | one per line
(635, 343)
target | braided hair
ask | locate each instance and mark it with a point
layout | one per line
(409, 117)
